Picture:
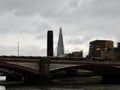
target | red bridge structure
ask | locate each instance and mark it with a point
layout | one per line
(32, 69)
(28, 69)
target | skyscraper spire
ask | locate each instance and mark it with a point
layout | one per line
(60, 46)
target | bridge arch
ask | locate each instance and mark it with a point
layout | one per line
(8, 68)
(98, 69)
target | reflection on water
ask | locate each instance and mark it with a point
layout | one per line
(2, 78)
(62, 87)
(81, 84)
(2, 88)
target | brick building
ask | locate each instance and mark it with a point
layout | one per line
(112, 53)
(97, 47)
(104, 49)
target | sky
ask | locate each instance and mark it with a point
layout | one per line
(82, 21)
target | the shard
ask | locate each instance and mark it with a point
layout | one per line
(60, 46)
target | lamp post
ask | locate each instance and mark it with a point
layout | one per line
(18, 48)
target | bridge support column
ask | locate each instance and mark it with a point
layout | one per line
(44, 67)
(43, 76)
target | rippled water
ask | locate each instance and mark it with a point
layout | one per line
(86, 85)
(63, 87)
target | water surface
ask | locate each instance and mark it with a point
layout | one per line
(63, 87)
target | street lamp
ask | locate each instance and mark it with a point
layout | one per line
(18, 48)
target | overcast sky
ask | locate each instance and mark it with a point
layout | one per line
(27, 22)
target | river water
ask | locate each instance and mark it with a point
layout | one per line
(85, 84)
(63, 87)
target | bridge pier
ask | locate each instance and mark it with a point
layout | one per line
(44, 75)
(44, 67)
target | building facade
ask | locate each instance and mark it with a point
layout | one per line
(112, 53)
(96, 48)
(104, 50)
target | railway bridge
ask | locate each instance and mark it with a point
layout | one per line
(31, 69)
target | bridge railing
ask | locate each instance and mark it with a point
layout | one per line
(111, 62)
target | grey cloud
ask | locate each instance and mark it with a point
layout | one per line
(108, 8)
(31, 7)
(25, 6)
(32, 51)
(8, 50)
(78, 39)
(59, 10)
(12, 24)
(89, 19)
(88, 9)
(24, 50)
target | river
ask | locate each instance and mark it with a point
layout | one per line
(84, 84)
(63, 87)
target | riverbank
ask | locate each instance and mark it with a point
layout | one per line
(67, 80)
(78, 80)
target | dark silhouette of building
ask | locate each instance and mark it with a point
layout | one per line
(50, 43)
(77, 54)
(97, 47)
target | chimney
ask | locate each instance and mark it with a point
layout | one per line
(50, 43)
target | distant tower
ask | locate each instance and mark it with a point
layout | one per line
(50, 43)
(60, 47)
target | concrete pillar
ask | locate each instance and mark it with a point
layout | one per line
(50, 43)
(44, 67)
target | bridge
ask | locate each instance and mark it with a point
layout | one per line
(27, 68)
(32, 69)
(109, 70)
